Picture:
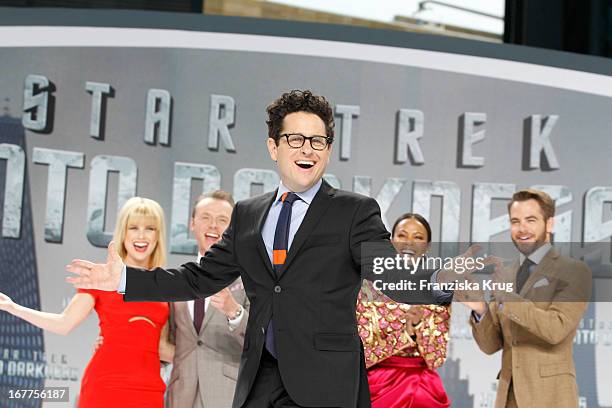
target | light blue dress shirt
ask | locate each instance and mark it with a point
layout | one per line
(298, 212)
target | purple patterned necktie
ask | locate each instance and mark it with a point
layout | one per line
(198, 314)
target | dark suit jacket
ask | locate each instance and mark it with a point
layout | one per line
(312, 301)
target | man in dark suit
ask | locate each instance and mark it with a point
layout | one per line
(300, 253)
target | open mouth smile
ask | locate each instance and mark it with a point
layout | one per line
(408, 251)
(141, 246)
(305, 164)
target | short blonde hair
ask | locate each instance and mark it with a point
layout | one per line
(148, 208)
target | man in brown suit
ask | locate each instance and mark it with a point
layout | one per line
(209, 333)
(535, 326)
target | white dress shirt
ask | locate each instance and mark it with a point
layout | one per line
(232, 323)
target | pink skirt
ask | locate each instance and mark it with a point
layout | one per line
(406, 382)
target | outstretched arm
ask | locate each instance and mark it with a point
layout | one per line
(217, 270)
(60, 323)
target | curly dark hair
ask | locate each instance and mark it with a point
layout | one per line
(299, 101)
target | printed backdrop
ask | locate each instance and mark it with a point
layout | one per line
(93, 116)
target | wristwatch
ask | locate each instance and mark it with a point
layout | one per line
(237, 314)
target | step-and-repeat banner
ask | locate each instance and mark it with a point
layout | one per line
(92, 116)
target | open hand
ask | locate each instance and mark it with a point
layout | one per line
(225, 302)
(103, 276)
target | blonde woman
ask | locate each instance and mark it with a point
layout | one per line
(124, 370)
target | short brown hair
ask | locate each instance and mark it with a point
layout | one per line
(299, 101)
(547, 204)
(217, 195)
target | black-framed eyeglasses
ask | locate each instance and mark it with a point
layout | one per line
(297, 140)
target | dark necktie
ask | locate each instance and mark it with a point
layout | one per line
(523, 274)
(198, 314)
(279, 253)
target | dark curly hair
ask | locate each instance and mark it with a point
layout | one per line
(298, 101)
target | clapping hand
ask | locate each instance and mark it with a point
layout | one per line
(503, 275)
(476, 301)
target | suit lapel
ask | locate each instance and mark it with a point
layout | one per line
(210, 311)
(263, 209)
(315, 212)
(182, 313)
(540, 271)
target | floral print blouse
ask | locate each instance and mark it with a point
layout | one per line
(386, 330)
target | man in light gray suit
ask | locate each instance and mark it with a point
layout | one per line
(209, 333)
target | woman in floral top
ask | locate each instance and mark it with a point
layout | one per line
(404, 344)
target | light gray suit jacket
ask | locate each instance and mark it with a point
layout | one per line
(210, 359)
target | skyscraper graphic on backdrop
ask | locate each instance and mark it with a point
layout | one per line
(586, 374)
(456, 388)
(19, 341)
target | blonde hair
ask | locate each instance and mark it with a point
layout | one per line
(148, 208)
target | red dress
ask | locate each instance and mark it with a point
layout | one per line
(124, 371)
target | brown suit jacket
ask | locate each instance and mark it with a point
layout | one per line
(536, 334)
(210, 359)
